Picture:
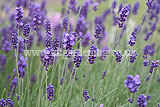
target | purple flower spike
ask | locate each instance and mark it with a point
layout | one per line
(9, 102)
(2, 102)
(50, 92)
(133, 56)
(149, 3)
(123, 14)
(77, 59)
(19, 16)
(85, 95)
(37, 21)
(68, 42)
(135, 8)
(95, 6)
(14, 40)
(26, 30)
(13, 84)
(132, 40)
(92, 54)
(146, 62)
(141, 101)
(61, 81)
(132, 83)
(104, 73)
(154, 65)
(98, 31)
(118, 56)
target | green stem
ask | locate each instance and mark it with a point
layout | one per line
(150, 83)
(71, 87)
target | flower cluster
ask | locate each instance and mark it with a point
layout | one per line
(14, 84)
(50, 92)
(48, 56)
(142, 100)
(56, 44)
(26, 32)
(132, 83)
(21, 66)
(146, 62)
(6, 103)
(132, 40)
(149, 3)
(118, 56)
(48, 40)
(48, 26)
(123, 14)
(85, 95)
(77, 59)
(5, 40)
(92, 54)
(65, 23)
(133, 56)
(154, 65)
(68, 42)
(104, 53)
(95, 6)
(19, 16)
(86, 39)
(14, 40)
(135, 8)
(148, 50)
(98, 31)
(37, 21)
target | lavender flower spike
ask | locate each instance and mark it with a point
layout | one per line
(50, 92)
(132, 83)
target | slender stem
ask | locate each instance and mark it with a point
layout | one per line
(40, 88)
(150, 83)
(46, 85)
(71, 87)
(87, 75)
(134, 103)
(22, 92)
(50, 104)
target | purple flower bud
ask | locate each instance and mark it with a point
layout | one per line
(85, 95)
(14, 40)
(118, 56)
(26, 30)
(104, 73)
(50, 92)
(135, 8)
(146, 62)
(61, 81)
(95, 6)
(77, 59)
(17, 97)
(92, 54)
(133, 56)
(130, 100)
(98, 31)
(37, 20)
(132, 83)
(19, 16)
(141, 100)
(9, 103)
(123, 14)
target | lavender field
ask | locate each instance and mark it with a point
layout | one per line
(79, 53)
